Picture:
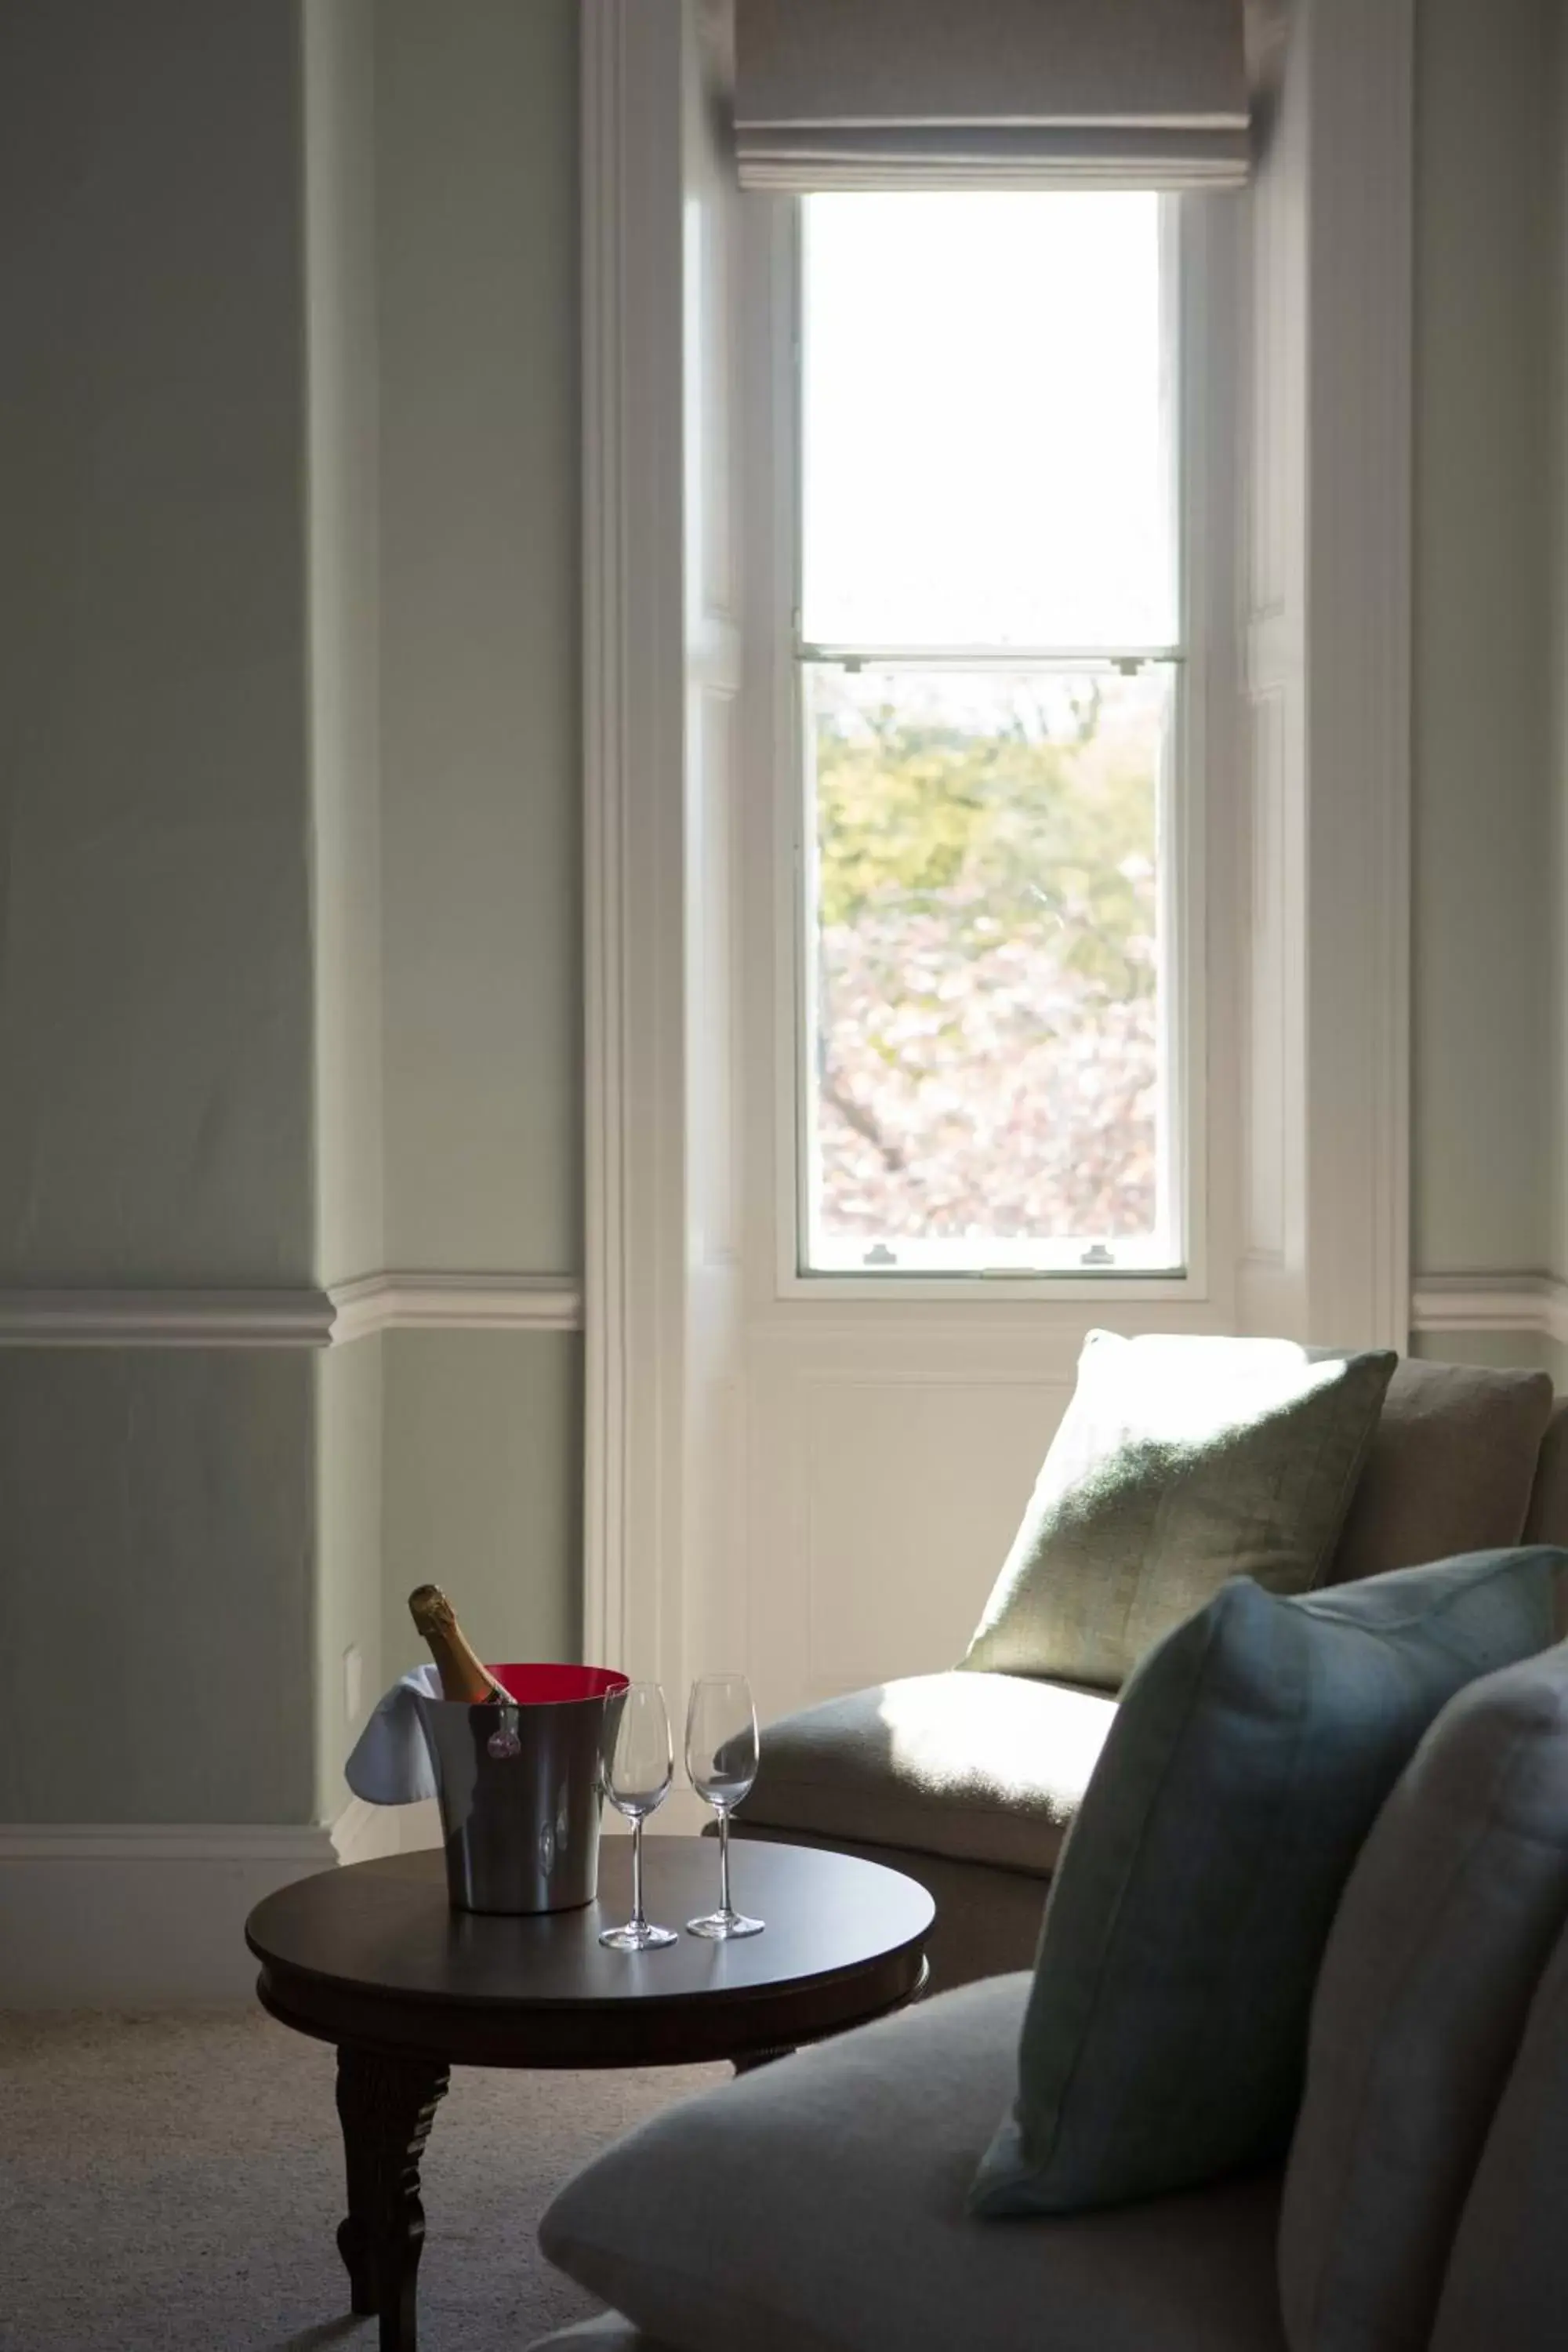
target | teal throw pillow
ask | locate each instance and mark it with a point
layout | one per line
(1165, 2036)
(1180, 1462)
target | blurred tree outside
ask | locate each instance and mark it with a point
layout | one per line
(987, 1061)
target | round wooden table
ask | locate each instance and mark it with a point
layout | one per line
(373, 1958)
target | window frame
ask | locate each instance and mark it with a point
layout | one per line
(1186, 797)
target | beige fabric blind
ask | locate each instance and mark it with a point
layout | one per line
(991, 93)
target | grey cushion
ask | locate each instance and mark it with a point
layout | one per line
(818, 2206)
(1507, 2287)
(1546, 1521)
(1167, 2030)
(1448, 1921)
(987, 1770)
(1449, 1470)
(1180, 1462)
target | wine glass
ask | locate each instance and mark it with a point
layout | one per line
(722, 1758)
(637, 1767)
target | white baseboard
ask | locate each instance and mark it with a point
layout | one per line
(364, 1832)
(128, 1916)
(132, 1916)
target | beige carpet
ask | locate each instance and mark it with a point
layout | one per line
(176, 2182)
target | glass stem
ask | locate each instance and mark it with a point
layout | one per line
(724, 1813)
(638, 1920)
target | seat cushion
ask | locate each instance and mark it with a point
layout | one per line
(1507, 2287)
(1166, 2033)
(1180, 1462)
(818, 2206)
(987, 1769)
(1450, 1468)
(1448, 1921)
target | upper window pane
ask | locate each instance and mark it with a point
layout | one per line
(985, 423)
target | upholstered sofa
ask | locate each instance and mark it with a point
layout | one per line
(968, 1781)
(880, 2232)
(819, 2205)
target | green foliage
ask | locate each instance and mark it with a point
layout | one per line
(1030, 829)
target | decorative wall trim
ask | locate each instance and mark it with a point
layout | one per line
(456, 1302)
(165, 1319)
(304, 1845)
(290, 1319)
(1491, 1302)
(134, 1916)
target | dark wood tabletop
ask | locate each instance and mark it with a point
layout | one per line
(371, 1958)
(373, 1953)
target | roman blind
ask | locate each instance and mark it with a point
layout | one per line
(991, 93)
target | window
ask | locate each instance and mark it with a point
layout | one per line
(990, 654)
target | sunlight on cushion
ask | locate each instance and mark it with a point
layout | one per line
(981, 1767)
(1035, 1743)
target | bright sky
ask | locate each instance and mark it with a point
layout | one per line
(985, 428)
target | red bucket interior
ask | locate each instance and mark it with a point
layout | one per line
(551, 1686)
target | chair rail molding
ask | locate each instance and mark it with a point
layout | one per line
(1502, 1303)
(172, 1317)
(455, 1302)
(194, 1317)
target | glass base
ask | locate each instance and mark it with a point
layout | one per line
(720, 1926)
(636, 1938)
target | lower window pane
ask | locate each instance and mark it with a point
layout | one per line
(984, 1065)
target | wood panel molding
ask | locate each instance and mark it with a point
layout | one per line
(194, 1317)
(165, 1317)
(456, 1302)
(1502, 1303)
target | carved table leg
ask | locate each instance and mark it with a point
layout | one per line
(385, 2107)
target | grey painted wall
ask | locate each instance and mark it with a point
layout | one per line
(157, 1509)
(1484, 910)
(1557, 482)
(159, 1539)
(154, 966)
(476, 193)
(483, 1438)
(343, 399)
(350, 1403)
(477, 166)
(342, 386)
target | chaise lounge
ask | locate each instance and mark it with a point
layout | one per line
(968, 1781)
(828, 2203)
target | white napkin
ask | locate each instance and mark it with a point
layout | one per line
(391, 1762)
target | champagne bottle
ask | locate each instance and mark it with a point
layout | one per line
(462, 1676)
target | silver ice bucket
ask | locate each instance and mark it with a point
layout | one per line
(520, 1787)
